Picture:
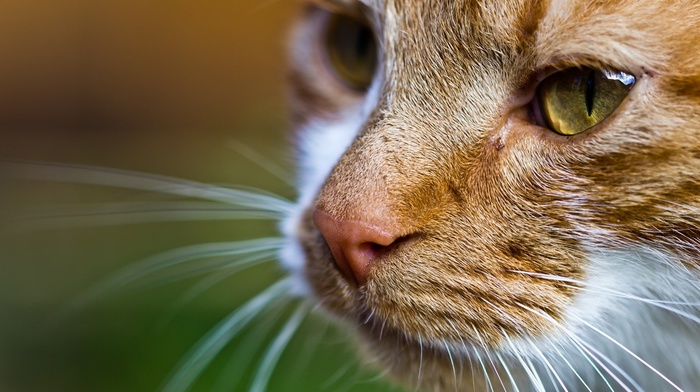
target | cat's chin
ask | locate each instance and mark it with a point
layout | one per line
(436, 366)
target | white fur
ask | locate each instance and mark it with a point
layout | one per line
(321, 144)
(622, 288)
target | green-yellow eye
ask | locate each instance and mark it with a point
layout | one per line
(573, 100)
(352, 50)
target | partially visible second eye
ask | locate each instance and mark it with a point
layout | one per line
(576, 99)
(351, 50)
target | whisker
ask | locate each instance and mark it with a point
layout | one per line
(533, 368)
(210, 345)
(452, 362)
(505, 314)
(586, 284)
(495, 369)
(336, 376)
(597, 356)
(172, 258)
(570, 366)
(470, 357)
(233, 370)
(113, 214)
(548, 365)
(420, 361)
(530, 370)
(273, 354)
(579, 285)
(200, 267)
(487, 378)
(590, 359)
(312, 342)
(262, 161)
(630, 352)
(92, 175)
(505, 367)
(581, 343)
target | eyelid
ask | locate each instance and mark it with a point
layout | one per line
(347, 7)
(555, 65)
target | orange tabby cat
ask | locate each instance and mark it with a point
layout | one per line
(504, 195)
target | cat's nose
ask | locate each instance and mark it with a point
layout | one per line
(355, 245)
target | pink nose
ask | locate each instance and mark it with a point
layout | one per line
(355, 245)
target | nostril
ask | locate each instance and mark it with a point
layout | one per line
(355, 245)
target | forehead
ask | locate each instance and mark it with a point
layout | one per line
(632, 35)
(447, 8)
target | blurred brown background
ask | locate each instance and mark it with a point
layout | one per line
(97, 81)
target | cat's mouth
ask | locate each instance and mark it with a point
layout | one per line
(407, 296)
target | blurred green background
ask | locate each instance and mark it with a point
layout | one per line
(167, 87)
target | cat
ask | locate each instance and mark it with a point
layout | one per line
(494, 195)
(503, 195)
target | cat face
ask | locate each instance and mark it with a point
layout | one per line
(478, 177)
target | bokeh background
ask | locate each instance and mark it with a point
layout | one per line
(190, 89)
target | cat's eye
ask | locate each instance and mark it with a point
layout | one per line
(576, 99)
(351, 50)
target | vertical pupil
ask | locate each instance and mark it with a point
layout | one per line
(590, 92)
(362, 42)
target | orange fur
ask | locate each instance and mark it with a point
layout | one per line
(451, 162)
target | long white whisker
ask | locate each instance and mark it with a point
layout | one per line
(420, 361)
(599, 356)
(533, 368)
(551, 370)
(591, 359)
(464, 347)
(508, 372)
(262, 161)
(190, 270)
(579, 285)
(495, 369)
(470, 357)
(487, 378)
(273, 354)
(630, 352)
(113, 214)
(573, 369)
(585, 285)
(588, 348)
(233, 370)
(211, 344)
(505, 314)
(90, 175)
(312, 341)
(336, 376)
(527, 366)
(452, 362)
(172, 258)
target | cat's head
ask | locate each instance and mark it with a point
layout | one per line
(467, 167)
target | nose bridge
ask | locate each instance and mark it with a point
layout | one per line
(382, 173)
